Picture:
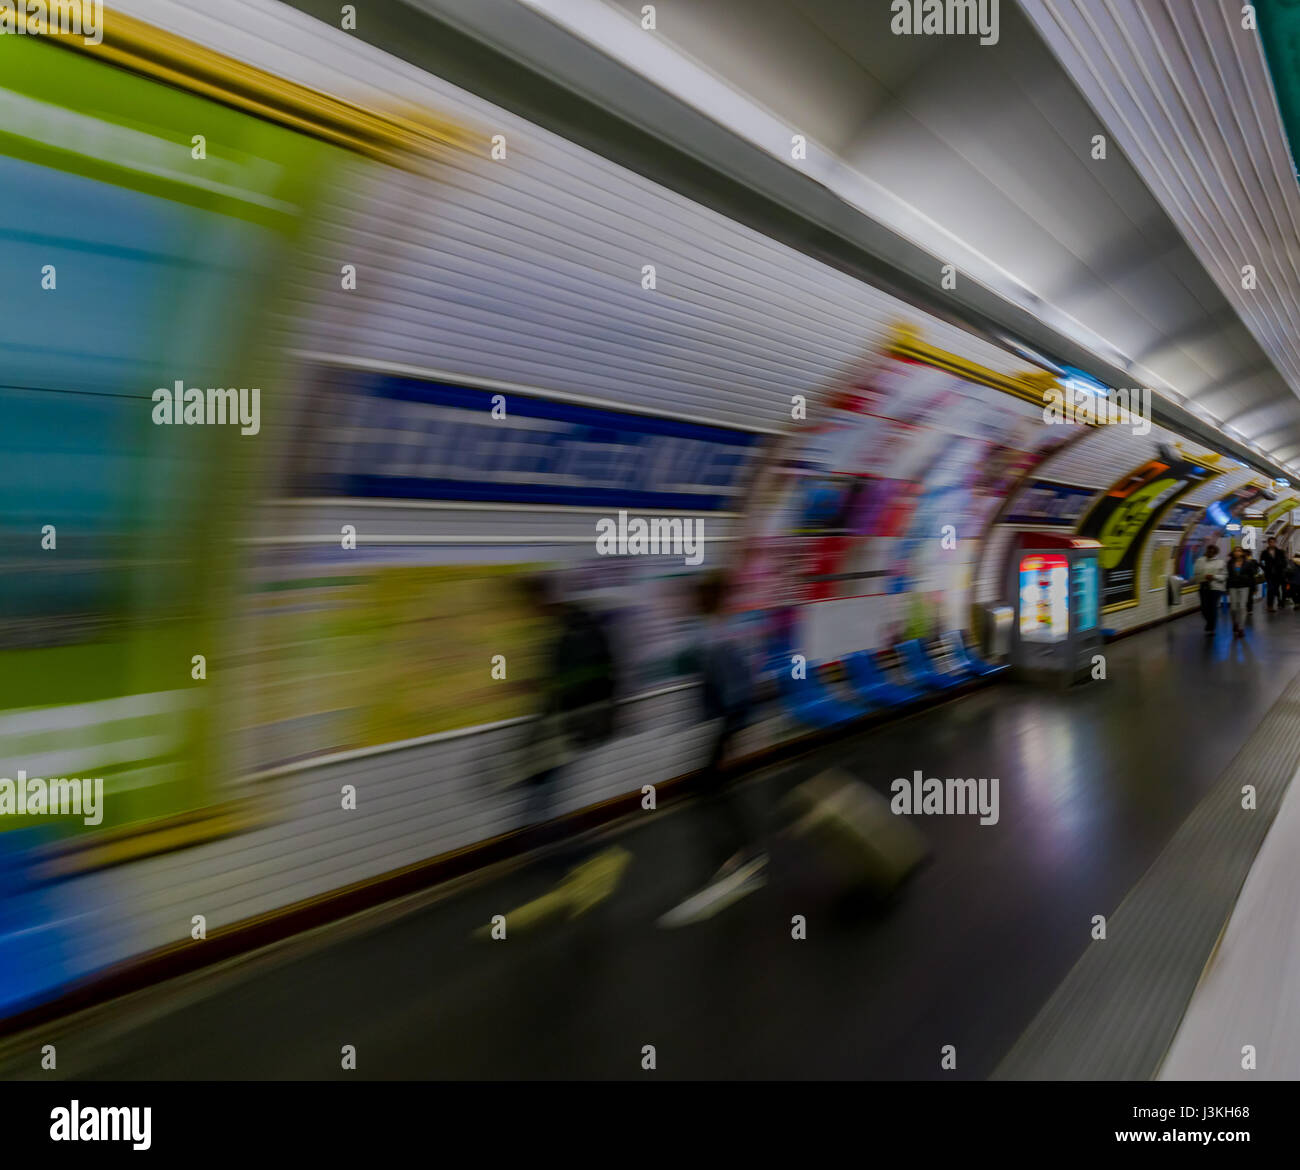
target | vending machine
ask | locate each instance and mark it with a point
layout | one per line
(1056, 586)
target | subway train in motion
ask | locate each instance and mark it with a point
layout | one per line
(310, 355)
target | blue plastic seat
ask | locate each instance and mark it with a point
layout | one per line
(870, 683)
(918, 664)
(810, 701)
(972, 661)
(946, 661)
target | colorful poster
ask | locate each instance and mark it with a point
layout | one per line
(1044, 597)
(352, 655)
(1087, 603)
(1126, 514)
(150, 268)
(164, 271)
(1279, 511)
(1213, 529)
(891, 496)
(1179, 517)
(1043, 503)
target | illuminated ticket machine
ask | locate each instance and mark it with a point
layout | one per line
(1056, 584)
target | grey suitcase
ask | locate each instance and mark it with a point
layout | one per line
(853, 833)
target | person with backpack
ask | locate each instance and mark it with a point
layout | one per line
(576, 711)
(731, 841)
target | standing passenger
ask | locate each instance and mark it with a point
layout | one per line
(1273, 562)
(1210, 573)
(731, 840)
(576, 708)
(1253, 568)
(1241, 582)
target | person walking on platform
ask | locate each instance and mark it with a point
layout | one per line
(727, 695)
(1256, 573)
(1273, 562)
(575, 714)
(1241, 582)
(1210, 573)
(1293, 581)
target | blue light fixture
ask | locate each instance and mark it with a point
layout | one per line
(1076, 380)
(1218, 515)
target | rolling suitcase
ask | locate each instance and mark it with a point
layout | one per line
(852, 834)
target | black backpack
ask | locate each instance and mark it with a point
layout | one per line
(587, 682)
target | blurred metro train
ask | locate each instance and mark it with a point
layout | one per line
(473, 341)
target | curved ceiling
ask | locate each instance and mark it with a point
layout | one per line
(983, 156)
(1185, 89)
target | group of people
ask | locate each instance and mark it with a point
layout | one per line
(1239, 577)
(577, 712)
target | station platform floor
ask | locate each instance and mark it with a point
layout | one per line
(1118, 798)
(1249, 995)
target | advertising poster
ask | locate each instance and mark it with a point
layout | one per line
(1179, 517)
(1213, 529)
(886, 501)
(1278, 512)
(172, 276)
(1044, 597)
(381, 652)
(1043, 503)
(1125, 515)
(1087, 599)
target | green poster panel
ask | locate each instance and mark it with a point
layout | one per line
(146, 234)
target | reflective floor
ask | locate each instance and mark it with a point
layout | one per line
(1093, 783)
